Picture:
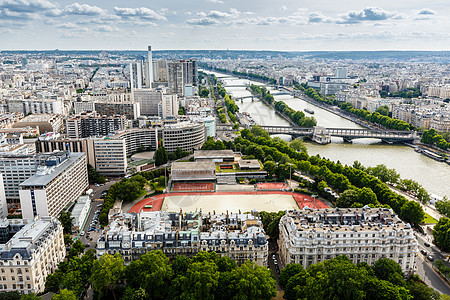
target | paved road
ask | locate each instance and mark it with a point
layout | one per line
(430, 277)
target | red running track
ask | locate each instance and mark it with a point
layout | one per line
(300, 199)
(271, 185)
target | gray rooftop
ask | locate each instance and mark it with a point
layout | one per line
(47, 174)
(187, 166)
(213, 154)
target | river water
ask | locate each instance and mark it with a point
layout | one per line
(432, 175)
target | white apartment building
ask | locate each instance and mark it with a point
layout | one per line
(3, 205)
(110, 156)
(36, 106)
(148, 100)
(15, 169)
(168, 106)
(186, 135)
(60, 181)
(34, 252)
(362, 234)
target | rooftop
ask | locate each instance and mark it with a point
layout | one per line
(213, 154)
(189, 166)
(46, 175)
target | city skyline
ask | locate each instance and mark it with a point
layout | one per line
(221, 24)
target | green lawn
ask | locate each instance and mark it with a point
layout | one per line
(429, 219)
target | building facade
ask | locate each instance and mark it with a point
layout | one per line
(31, 254)
(90, 124)
(362, 234)
(238, 236)
(186, 135)
(59, 181)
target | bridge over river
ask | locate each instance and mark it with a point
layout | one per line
(323, 135)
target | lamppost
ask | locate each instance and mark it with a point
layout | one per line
(290, 175)
(314, 200)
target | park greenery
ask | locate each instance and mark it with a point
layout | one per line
(377, 117)
(407, 94)
(161, 155)
(203, 92)
(443, 206)
(339, 278)
(442, 267)
(298, 117)
(431, 137)
(154, 276)
(127, 190)
(441, 234)
(182, 111)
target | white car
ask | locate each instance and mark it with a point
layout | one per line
(82, 233)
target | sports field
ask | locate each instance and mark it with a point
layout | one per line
(232, 203)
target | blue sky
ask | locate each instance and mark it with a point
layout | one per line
(225, 24)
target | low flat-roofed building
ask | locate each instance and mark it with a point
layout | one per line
(364, 234)
(249, 164)
(214, 155)
(80, 212)
(199, 170)
(31, 254)
(45, 122)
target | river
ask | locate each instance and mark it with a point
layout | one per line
(432, 175)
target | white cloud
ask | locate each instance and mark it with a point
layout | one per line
(283, 7)
(216, 1)
(26, 6)
(427, 11)
(368, 14)
(140, 12)
(83, 9)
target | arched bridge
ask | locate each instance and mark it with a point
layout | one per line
(348, 134)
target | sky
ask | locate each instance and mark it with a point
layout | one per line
(286, 25)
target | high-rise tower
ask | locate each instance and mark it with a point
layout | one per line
(150, 68)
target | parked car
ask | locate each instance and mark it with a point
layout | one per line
(430, 258)
(426, 244)
(423, 252)
(274, 257)
(82, 233)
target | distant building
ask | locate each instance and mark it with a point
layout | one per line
(60, 181)
(45, 122)
(362, 234)
(240, 237)
(36, 106)
(90, 124)
(186, 135)
(31, 249)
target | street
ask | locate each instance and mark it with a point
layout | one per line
(424, 269)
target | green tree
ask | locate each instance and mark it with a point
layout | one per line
(389, 270)
(298, 145)
(76, 249)
(151, 272)
(201, 281)
(251, 281)
(443, 206)
(412, 212)
(106, 273)
(258, 131)
(66, 221)
(161, 156)
(65, 295)
(347, 198)
(441, 234)
(289, 271)
(94, 176)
